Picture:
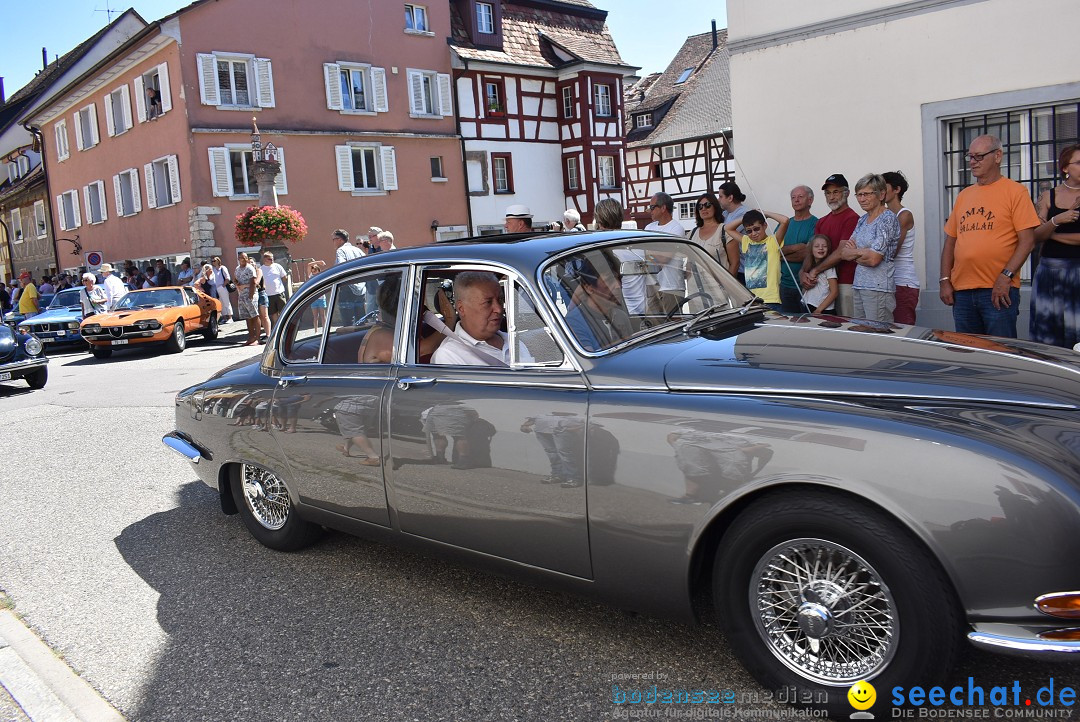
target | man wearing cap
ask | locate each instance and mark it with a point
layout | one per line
(28, 297)
(114, 287)
(518, 219)
(837, 226)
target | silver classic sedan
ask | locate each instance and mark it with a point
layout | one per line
(612, 414)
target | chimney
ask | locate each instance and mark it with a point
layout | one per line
(715, 42)
(44, 58)
(2, 96)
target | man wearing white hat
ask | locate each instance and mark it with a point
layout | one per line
(114, 287)
(518, 219)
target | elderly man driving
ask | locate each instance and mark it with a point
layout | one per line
(478, 339)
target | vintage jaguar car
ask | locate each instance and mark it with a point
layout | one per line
(22, 356)
(58, 325)
(847, 495)
(153, 315)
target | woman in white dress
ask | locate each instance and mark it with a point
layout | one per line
(221, 281)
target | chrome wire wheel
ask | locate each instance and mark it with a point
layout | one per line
(266, 497)
(823, 611)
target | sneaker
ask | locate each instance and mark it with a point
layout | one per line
(571, 484)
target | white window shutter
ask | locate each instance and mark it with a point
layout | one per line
(378, 80)
(264, 82)
(86, 200)
(110, 124)
(280, 183)
(220, 178)
(151, 196)
(389, 168)
(208, 87)
(332, 78)
(77, 217)
(344, 167)
(174, 177)
(61, 140)
(125, 95)
(416, 91)
(60, 212)
(78, 133)
(136, 193)
(117, 195)
(163, 84)
(140, 100)
(94, 137)
(99, 188)
(446, 100)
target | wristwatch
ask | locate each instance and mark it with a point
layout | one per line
(1007, 273)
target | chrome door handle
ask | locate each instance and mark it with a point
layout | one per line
(284, 381)
(408, 381)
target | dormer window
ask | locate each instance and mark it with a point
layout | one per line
(684, 76)
(416, 18)
(643, 121)
(485, 18)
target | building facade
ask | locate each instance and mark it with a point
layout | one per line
(678, 129)
(903, 86)
(149, 153)
(539, 94)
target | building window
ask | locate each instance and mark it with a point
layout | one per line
(60, 129)
(67, 207)
(493, 96)
(568, 102)
(94, 195)
(366, 168)
(573, 181)
(126, 190)
(355, 87)
(603, 100)
(485, 18)
(242, 172)
(437, 169)
(606, 168)
(162, 182)
(86, 128)
(232, 170)
(235, 81)
(429, 94)
(416, 18)
(684, 76)
(152, 94)
(685, 209)
(670, 152)
(16, 225)
(643, 121)
(40, 224)
(502, 171)
(118, 111)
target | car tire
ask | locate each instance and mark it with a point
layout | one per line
(101, 352)
(267, 510)
(212, 328)
(790, 611)
(178, 340)
(38, 379)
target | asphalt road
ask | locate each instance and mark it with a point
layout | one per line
(115, 554)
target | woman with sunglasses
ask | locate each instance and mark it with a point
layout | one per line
(709, 231)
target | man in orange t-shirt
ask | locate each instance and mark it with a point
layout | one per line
(988, 236)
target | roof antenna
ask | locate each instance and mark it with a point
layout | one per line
(109, 12)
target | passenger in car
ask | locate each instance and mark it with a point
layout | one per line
(477, 340)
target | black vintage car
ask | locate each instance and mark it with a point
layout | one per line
(847, 495)
(22, 356)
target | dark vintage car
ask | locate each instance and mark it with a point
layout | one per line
(846, 495)
(164, 315)
(22, 356)
(58, 324)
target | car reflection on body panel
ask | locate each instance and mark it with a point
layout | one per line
(844, 491)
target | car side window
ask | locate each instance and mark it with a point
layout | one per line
(303, 332)
(530, 331)
(364, 320)
(190, 296)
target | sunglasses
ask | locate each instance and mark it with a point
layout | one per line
(704, 204)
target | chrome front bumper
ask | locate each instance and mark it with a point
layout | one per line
(181, 445)
(1022, 641)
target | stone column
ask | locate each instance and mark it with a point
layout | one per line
(265, 173)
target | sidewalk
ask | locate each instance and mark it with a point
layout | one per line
(37, 685)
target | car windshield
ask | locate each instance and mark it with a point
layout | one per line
(152, 298)
(70, 297)
(608, 294)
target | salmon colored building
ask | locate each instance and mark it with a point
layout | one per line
(148, 153)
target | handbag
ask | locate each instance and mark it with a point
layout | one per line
(230, 287)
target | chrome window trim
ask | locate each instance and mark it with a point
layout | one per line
(839, 395)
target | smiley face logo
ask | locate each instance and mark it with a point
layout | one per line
(862, 695)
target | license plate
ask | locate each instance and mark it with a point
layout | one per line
(61, 333)
(48, 340)
(5, 376)
(120, 342)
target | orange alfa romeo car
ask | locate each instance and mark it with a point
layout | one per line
(153, 315)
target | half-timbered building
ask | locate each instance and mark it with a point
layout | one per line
(678, 129)
(539, 86)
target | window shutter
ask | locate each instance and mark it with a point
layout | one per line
(151, 196)
(264, 83)
(163, 84)
(378, 81)
(78, 132)
(136, 194)
(117, 194)
(110, 124)
(331, 77)
(220, 177)
(60, 212)
(446, 100)
(99, 188)
(389, 168)
(344, 167)
(76, 216)
(94, 138)
(416, 92)
(174, 177)
(280, 183)
(125, 95)
(86, 200)
(61, 140)
(208, 87)
(140, 100)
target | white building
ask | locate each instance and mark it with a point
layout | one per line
(902, 85)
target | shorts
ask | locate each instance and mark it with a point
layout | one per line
(277, 302)
(263, 299)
